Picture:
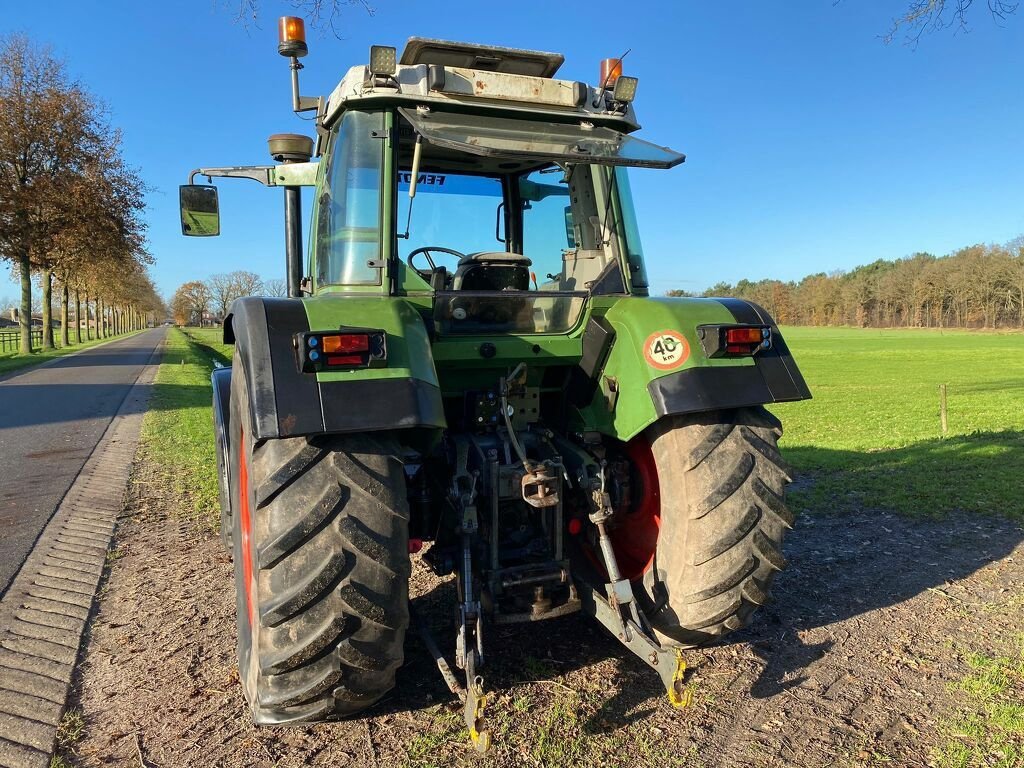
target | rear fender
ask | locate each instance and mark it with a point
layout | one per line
(632, 386)
(286, 402)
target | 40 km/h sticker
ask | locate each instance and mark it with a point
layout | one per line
(666, 350)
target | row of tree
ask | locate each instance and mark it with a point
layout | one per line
(70, 207)
(981, 286)
(202, 302)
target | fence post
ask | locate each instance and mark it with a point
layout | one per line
(942, 409)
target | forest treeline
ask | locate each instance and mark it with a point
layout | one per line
(980, 286)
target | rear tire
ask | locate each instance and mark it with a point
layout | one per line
(723, 517)
(321, 569)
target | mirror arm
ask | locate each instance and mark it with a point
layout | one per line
(261, 173)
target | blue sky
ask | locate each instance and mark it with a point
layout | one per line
(811, 146)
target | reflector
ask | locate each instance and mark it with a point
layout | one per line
(344, 360)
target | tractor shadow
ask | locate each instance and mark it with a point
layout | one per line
(843, 563)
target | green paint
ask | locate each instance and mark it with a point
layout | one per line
(408, 346)
(403, 303)
(634, 319)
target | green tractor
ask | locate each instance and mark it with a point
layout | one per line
(471, 359)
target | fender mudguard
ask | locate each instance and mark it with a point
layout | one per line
(286, 402)
(221, 381)
(631, 388)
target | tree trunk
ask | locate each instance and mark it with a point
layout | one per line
(78, 318)
(101, 325)
(48, 308)
(25, 315)
(65, 340)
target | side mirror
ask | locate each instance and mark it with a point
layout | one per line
(200, 212)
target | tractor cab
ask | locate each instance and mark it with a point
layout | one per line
(507, 204)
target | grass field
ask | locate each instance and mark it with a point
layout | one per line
(177, 434)
(871, 437)
(12, 361)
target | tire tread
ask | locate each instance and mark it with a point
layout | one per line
(723, 519)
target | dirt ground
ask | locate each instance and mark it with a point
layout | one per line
(851, 665)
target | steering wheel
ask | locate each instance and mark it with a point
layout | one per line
(426, 251)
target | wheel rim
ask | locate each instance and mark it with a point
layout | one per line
(245, 528)
(635, 536)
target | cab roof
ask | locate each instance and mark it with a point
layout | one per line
(487, 58)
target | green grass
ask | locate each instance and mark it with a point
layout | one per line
(177, 434)
(12, 361)
(989, 729)
(871, 437)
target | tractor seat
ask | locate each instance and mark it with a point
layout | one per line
(492, 271)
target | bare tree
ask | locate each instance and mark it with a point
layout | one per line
(275, 288)
(926, 16)
(247, 283)
(225, 288)
(222, 291)
(322, 14)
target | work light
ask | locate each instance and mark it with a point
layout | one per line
(383, 60)
(625, 89)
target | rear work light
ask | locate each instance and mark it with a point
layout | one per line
(344, 349)
(734, 340)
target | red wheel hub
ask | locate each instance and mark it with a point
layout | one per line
(635, 533)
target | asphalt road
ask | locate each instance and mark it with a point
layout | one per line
(50, 420)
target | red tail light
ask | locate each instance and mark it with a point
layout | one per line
(734, 340)
(744, 335)
(344, 349)
(346, 343)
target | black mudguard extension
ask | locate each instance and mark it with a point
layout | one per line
(288, 403)
(774, 379)
(221, 380)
